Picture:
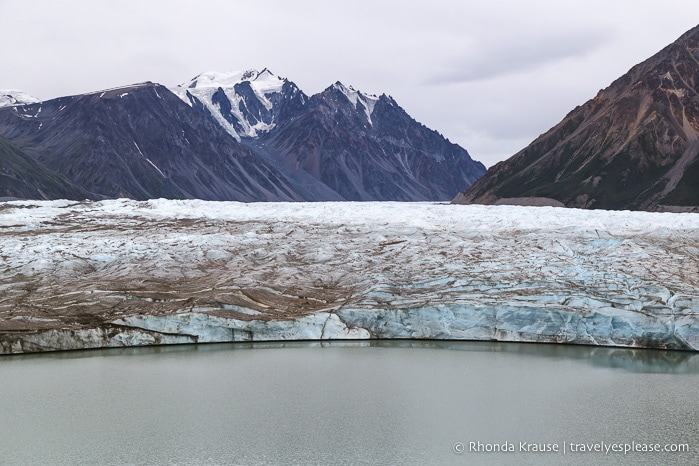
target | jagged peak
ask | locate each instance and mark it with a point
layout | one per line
(249, 75)
(389, 99)
(353, 94)
(266, 73)
(368, 101)
(243, 90)
(351, 90)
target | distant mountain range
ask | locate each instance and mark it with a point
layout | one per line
(253, 136)
(634, 146)
(249, 136)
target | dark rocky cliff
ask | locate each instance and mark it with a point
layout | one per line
(369, 148)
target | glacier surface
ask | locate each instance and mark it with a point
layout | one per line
(128, 273)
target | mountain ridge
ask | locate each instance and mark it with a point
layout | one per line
(139, 142)
(238, 136)
(635, 145)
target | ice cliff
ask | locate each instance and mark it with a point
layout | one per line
(127, 273)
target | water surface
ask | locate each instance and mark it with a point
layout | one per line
(345, 403)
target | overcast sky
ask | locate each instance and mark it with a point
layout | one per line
(489, 75)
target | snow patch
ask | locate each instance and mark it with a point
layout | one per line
(368, 101)
(149, 160)
(13, 97)
(202, 88)
(263, 82)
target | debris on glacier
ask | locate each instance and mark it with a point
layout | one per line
(128, 273)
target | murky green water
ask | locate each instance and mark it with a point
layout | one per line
(347, 403)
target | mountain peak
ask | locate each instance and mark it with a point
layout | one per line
(218, 79)
(10, 97)
(351, 91)
(265, 73)
(245, 103)
(633, 146)
(262, 81)
(368, 101)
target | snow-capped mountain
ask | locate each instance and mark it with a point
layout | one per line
(141, 142)
(361, 146)
(366, 102)
(366, 147)
(9, 97)
(247, 136)
(247, 103)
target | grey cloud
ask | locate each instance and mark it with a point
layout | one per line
(524, 64)
(516, 55)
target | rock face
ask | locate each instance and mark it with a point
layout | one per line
(634, 146)
(127, 273)
(22, 177)
(235, 136)
(367, 147)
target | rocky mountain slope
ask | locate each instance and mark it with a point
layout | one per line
(23, 178)
(248, 136)
(367, 147)
(338, 144)
(140, 142)
(634, 146)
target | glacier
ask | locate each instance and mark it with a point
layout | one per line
(120, 272)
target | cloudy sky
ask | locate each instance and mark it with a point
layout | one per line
(489, 75)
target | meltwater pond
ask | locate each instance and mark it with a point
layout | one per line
(349, 403)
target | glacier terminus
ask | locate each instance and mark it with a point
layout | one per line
(128, 273)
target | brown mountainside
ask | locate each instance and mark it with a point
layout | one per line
(634, 146)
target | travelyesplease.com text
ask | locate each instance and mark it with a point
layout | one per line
(570, 447)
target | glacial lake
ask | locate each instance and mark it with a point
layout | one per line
(400, 402)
